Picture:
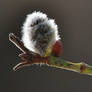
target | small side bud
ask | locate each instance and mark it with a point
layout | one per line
(57, 49)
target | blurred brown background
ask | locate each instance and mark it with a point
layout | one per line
(74, 18)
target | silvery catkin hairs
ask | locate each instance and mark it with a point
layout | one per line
(39, 32)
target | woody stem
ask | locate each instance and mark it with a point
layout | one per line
(81, 67)
(15, 40)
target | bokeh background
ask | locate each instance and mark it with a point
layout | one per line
(74, 18)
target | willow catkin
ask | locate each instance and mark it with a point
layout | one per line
(39, 32)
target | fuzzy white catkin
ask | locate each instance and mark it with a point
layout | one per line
(39, 32)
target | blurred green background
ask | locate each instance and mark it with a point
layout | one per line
(74, 18)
